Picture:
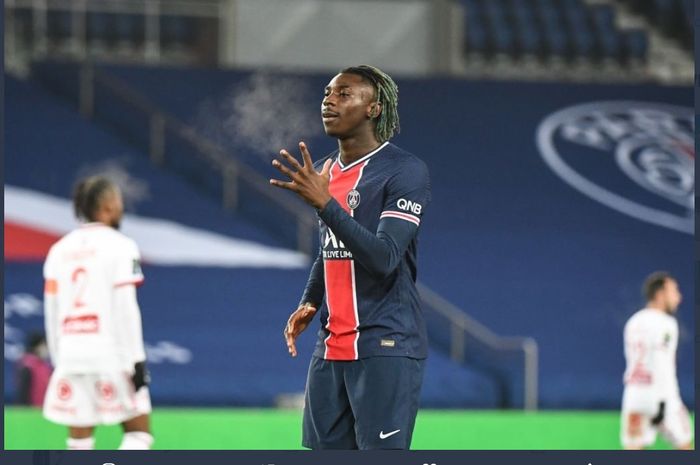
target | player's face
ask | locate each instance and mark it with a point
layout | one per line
(673, 296)
(346, 106)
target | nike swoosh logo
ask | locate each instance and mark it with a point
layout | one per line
(384, 436)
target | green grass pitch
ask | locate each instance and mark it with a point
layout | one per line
(217, 429)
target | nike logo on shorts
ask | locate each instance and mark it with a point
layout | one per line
(384, 436)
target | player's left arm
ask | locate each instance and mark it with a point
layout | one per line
(407, 194)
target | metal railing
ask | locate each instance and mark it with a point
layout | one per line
(462, 325)
(235, 173)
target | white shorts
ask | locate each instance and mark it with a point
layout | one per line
(637, 430)
(94, 399)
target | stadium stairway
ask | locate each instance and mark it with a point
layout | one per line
(218, 287)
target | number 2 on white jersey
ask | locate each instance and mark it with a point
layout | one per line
(79, 280)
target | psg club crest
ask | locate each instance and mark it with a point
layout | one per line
(635, 157)
(353, 199)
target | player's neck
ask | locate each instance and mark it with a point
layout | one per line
(655, 306)
(354, 148)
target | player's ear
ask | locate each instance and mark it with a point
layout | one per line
(374, 110)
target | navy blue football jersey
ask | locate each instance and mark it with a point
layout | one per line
(364, 276)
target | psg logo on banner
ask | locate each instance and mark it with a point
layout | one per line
(637, 158)
(353, 199)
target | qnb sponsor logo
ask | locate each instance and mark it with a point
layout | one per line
(409, 206)
(334, 249)
(635, 157)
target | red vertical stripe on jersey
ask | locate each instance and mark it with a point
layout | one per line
(340, 289)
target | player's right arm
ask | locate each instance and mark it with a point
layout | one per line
(310, 301)
(51, 317)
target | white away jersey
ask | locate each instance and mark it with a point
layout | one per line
(651, 339)
(83, 274)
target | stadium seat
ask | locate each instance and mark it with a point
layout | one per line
(554, 35)
(529, 40)
(582, 42)
(572, 4)
(502, 36)
(24, 23)
(59, 24)
(176, 31)
(603, 17)
(100, 28)
(666, 16)
(609, 43)
(523, 13)
(476, 38)
(636, 45)
(672, 18)
(689, 17)
(130, 29)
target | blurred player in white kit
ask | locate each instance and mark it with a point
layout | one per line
(651, 402)
(93, 324)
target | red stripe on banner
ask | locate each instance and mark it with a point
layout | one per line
(340, 292)
(27, 244)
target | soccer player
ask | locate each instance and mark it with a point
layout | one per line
(651, 401)
(366, 372)
(93, 324)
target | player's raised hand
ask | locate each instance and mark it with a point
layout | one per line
(297, 323)
(305, 181)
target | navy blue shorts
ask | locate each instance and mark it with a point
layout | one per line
(369, 403)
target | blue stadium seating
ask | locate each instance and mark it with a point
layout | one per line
(603, 16)
(674, 18)
(582, 42)
(176, 30)
(529, 40)
(554, 33)
(502, 37)
(603, 19)
(130, 28)
(476, 37)
(100, 27)
(568, 29)
(58, 23)
(636, 44)
(24, 21)
(610, 46)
